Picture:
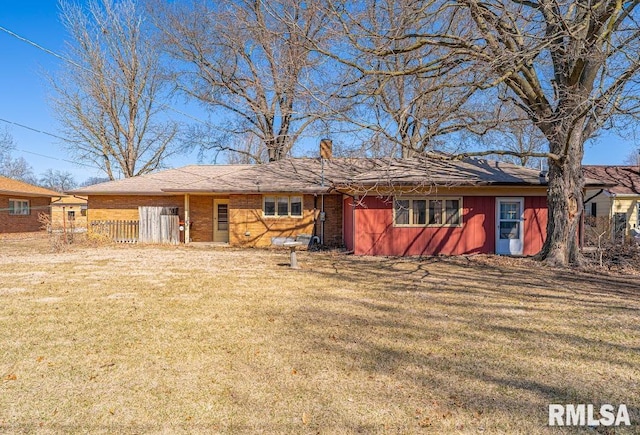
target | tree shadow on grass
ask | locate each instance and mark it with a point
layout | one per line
(500, 339)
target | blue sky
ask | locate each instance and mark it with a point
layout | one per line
(23, 93)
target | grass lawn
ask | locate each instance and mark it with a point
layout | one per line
(129, 339)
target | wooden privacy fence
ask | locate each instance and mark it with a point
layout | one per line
(118, 231)
(159, 225)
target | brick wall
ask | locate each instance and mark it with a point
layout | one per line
(201, 216)
(60, 217)
(22, 223)
(245, 216)
(125, 207)
(333, 220)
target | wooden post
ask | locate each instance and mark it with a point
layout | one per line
(187, 224)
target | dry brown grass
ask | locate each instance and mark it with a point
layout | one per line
(128, 339)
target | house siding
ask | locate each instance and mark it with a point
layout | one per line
(535, 224)
(376, 234)
(23, 223)
(249, 228)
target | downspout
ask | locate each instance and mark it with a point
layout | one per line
(187, 217)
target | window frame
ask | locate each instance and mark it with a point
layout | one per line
(12, 210)
(411, 208)
(276, 200)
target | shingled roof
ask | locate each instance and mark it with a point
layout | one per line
(625, 180)
(309, 175)
(9, 186)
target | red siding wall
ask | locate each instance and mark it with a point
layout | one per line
(535, 224)
(376, 235)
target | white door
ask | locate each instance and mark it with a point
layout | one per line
(221, 220)
(510, 226)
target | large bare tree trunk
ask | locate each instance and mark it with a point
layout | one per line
(565, 203)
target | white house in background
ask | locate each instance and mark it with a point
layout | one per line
(619, 203)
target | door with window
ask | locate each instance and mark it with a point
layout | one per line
(510, 226)
(221, 220)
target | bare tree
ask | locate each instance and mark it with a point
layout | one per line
(409, 98)
(522, 138)
(60, 181)
(570, 66)
(107, 96)
(633, 158)
(13, 167)
(248, 62)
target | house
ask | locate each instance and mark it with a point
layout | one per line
(20, 205)
(69, 212)
(417, 206)
(619, 204)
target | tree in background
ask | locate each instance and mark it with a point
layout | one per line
(60, 181)
(107, 97)
(248, 61)
(410, 101)
(633, 158)
(13, 167)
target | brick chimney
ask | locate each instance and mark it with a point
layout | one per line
(326, 148)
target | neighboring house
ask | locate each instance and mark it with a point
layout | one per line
(370, 206)
(20, 205)
(69, 212)
(618, 204)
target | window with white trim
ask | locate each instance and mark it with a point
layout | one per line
(282, 206)
(420, 212)
(19, 207)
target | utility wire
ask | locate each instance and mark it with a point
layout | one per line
(77, 65)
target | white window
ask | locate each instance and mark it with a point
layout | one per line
(282, 206)
(19, 207)
(419, 212)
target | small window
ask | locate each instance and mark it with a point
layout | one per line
(83, 210)
(435, 212)
(71, 215)
(282, 206)
(19, 207)
(420, 212)
(402, 211)
(594, 209)
(452, 212)
(296, 206)
(269, 206)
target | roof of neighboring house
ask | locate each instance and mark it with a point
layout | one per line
(68, 200)
(313, 175)
(625, 179)
(9, 186)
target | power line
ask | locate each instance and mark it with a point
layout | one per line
(44, 155)
(35, 129)
(77, 65)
